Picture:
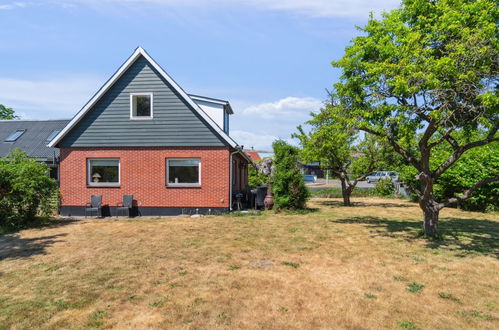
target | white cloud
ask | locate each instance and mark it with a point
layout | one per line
(260, 124)
(289, 108)
(14, 5)
(42, 99)
(311, 8)
(251, 139)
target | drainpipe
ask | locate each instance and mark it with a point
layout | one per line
(238, 151)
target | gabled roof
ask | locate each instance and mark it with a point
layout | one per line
(34, 140)
(136, 54)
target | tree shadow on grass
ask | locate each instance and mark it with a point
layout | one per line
(340, 204)
(16, 247)
(13, 246)
(464, 236)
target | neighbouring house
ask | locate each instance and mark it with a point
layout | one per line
(142, 134)
(32, 137)
(253, 154)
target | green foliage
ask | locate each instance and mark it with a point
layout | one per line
(25, 190)
(255, 178)
(338, 146)
(419, 78)
(384, 188)
(288, 187)
(336, 193)
(475, 165)
(7, 113)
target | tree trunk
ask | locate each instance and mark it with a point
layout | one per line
(345, 192)
(430, 218)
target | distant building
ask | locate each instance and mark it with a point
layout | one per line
(254, 155)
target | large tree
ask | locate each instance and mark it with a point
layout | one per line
(420, 76)
(7, 113)
(350, 156)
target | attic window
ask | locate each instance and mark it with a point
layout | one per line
(16, 135)
(53, 135)
(141, 106)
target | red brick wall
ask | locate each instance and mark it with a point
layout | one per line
(143, 174)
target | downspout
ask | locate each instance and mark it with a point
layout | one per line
(238, 151)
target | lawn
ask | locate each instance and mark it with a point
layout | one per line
(331, 267)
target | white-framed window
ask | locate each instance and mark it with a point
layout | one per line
(183, 172)
(141, 106)
(103, 172)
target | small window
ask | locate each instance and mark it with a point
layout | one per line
(183, 172)
(141, 106)
(52, 135)
(16, 135)
(103, 172)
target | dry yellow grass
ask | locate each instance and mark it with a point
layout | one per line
(336, 267)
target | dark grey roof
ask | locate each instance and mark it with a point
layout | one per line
(34, 140)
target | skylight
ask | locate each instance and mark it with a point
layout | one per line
(53, 135)
(16, 135)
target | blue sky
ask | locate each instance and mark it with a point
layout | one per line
(270, 59)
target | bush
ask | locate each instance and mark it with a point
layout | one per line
(255, 178)
(384, 188)
(25, 190)
(288, 186)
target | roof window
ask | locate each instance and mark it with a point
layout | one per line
(53, 135)
(16, 135)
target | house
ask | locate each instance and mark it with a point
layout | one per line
(142, 134)
(32, 137)
(253, 154)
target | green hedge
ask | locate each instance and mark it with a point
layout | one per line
(26, 190)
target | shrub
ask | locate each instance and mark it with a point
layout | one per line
(25, 190)
(288, 186)
(384, 188)
(256, 178)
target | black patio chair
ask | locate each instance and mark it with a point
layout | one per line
(125, 206)
(261, 192)
(95, 205)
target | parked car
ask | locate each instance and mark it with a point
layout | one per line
(376, 176)
(310, 178)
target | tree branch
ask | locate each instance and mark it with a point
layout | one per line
(468, 193)
(459, 150)
(413, 161)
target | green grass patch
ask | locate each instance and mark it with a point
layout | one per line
(448, 296)
(291, 264)
(407, 325)
(415, 287)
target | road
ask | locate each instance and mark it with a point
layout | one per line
(321, 184)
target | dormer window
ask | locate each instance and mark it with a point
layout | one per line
(15, 135)
(141, 106)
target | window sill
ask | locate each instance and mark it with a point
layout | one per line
(170, 185)
(103, 186)
(141, 118)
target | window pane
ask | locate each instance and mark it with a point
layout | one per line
(52, 135)
(104, 170)
(183, 171)
(142, 105)
(14, 136)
